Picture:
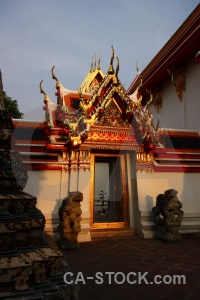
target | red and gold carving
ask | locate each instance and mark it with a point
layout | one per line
(76, 160)
(112, 117)
(157, 100)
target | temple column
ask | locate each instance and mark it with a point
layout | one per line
(84, 187)
(134, 215)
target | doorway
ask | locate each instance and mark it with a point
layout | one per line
(108, 191)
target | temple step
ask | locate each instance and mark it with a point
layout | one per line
(104, 233)
(50, 290)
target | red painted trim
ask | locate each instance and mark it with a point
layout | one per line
(54, 132)
(176, 156)
(177, 169)
(30, 149)
(56, 147)
(42, 167)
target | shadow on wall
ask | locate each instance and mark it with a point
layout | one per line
(149, 202)
(56, 208)
(55, 218)
(48, 201)
(141, 218)
(136, 211)
(43, 184)
(135, 208)
(46, 186)
(34, 185)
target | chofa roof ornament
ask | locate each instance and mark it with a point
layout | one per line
(111, 69)
(54, 77)
(115, 81)
(117, 66)
(43, 92)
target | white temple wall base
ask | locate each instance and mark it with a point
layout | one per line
(151, 185)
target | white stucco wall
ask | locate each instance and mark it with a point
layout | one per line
(192, 109)
(176, 114)
(186, 184)
(172, 111)
(50, 187)
(45, 185)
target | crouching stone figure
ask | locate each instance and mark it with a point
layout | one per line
(69, 221)
(168, 216)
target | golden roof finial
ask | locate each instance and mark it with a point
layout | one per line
(112, 55)
(54, 77)
(99, 59)
(91, 69)
(95, 62)
(111, 70)
(117, 66)
(42, 91)
(115, 81)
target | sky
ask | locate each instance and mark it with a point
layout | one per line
(35, 35)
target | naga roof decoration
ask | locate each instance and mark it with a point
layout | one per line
(106, 116)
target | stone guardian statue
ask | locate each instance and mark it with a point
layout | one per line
(168, 216)
(69, 221)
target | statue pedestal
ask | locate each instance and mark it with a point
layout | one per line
(168, 232)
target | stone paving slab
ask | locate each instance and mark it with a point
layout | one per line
(133, 254)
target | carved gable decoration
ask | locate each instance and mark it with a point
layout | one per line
(94, 84)
(112, 116)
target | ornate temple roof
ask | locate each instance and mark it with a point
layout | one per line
(78, 116)
(103, 118)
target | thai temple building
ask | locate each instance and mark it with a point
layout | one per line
(120, 148)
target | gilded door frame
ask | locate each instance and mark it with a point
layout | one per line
(92, 187)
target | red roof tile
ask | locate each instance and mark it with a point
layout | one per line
(29, 132)
(72, 101)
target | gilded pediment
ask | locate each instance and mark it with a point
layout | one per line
(93, 79)
(112, 116)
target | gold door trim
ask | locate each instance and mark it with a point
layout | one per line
(92, 187)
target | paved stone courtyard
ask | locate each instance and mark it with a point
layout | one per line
(137, 255)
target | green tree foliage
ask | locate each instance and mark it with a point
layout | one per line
(12, 107)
